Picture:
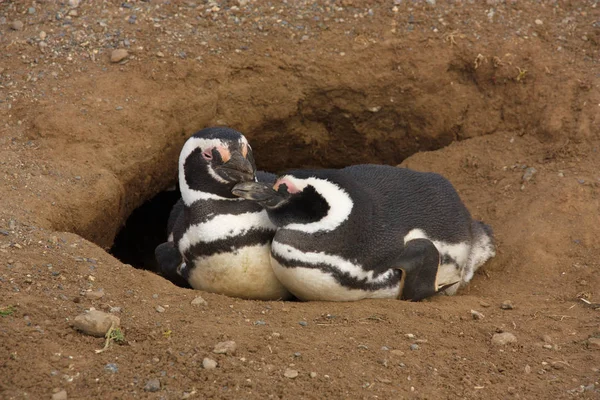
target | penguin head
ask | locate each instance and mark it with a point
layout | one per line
(212, 162)
(291, 200)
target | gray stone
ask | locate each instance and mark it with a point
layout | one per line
(529, 173)
(153, 385)
(209, 363)
(504, 338)
(118, 55)
(290, 373)
(95, 323)
(112, 367)
(199, 301)
(594, 342)
(95, 294)
(476, 314)
(507, 305)
(227, 347)
(414, 346)
(16, 26)
(62, 395)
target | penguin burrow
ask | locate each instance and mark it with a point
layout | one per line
(370, 231)
(217, 241)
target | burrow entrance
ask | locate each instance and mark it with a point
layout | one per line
(331, 129)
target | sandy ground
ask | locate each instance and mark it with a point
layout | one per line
(478, 91)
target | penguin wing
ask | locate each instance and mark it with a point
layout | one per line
(169, 259)
(176, 213)
(419, 262)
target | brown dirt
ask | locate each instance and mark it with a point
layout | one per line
(85, 141)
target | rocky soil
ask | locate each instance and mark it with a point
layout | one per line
(96, 99)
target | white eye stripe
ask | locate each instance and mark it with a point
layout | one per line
(189, 195)
(339, 201)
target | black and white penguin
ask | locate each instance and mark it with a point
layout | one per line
(370, 231)
(218, 242)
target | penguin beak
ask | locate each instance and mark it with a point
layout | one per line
(260, 192)
(237, 169)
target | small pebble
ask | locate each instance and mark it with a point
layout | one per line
(547, 346)
(227, 347)
(484, 304)
(16, 26)
(303, 323)
(410, 336)
(209, 363)
(398, 353)
(31, 10)
(153, 385)
(504, 338)
(95, 294)
(476, 315)
(527, 369)
(259, 322)
(160, 54)
(539, 22)
(199, 301)
(118, 55)
(160, 309)
(290, 373)
(594, 342)
(547, 339)
(62, 395)
(507, 305)
(43, 35)
(74, 3)
(414, 346)
(313, 374)
(112, 367)
(529, 173)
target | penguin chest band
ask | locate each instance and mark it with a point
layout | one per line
(321, 276)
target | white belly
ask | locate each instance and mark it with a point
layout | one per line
(246, 273)
(313, 284)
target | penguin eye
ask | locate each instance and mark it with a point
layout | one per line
(207, 154)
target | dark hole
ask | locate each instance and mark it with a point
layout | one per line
(145, 229)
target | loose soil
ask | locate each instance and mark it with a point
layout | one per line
(478, 91)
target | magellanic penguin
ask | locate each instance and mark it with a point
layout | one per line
(370, 231)
(218, 242)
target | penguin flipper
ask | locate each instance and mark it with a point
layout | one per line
(169, 259)
(419, 263)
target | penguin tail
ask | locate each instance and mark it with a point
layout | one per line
(483, 248)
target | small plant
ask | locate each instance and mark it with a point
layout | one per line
(112, 335)
(522, 74)
(6, 311)
(117, 336)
